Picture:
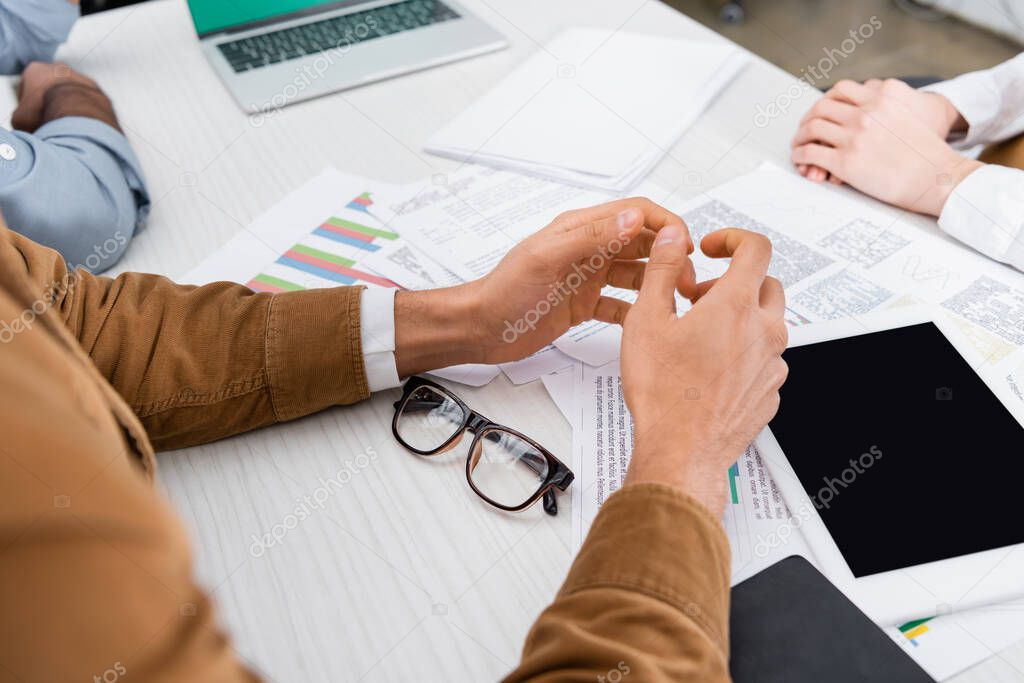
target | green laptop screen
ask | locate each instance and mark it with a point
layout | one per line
(214, 15)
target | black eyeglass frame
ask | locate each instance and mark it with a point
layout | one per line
(559, 475)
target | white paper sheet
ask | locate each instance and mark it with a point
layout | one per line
(470, 374)
(594, 342)
(592, 84)
(760, 528)
(597, 343)
(547, 360)
(561, 386)
(476, 215)
(946, 645)
(405, 264)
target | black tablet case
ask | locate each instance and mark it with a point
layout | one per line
(790, 624)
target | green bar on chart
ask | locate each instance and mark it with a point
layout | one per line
(366, 230)
(734, 475)
(325, 255)
(278, 282)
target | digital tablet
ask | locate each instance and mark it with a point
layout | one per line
(900, 462)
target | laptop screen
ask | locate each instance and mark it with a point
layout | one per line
(210, 16)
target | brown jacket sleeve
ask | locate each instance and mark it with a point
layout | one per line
(648, 596)
(95, 569)
(198, 364)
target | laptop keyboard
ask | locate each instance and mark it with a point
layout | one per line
(341, 32)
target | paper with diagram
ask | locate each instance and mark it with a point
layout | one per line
(318, 236)
(759, 526)
(325, 234)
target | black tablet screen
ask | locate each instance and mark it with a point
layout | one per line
(906, 454)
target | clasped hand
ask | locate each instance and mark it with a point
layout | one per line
(885, 139)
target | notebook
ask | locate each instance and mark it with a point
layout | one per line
(789, 624)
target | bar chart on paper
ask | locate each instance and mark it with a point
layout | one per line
(327, 257)
(912, 630)
(756, 520)
(317, 236)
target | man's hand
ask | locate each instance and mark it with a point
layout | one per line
(869, 138)
(702, 386)
(546, 284)
(51, 91)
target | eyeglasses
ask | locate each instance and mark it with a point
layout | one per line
(505, 468)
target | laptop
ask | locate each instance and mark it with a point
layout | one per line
(272, 53)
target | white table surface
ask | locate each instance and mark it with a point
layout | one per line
(403, 575)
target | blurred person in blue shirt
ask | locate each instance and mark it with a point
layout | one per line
(68, 177)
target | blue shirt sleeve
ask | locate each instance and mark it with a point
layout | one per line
(32, 30)
(75, 186)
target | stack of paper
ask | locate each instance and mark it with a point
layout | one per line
(593, 107)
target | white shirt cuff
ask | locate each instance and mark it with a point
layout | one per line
(377, 332)
(985, 212)
(991, 101)
(973, 96)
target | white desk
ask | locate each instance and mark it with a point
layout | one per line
(403, 575)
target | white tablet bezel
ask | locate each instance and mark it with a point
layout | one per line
(924, 590)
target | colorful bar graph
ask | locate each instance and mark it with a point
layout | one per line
(915, 629)
(326, 256)
(352, 233)
(734, 476)
(334, 221)
(337, 235)
(328, 266)
(361, 203)
(269, 283)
